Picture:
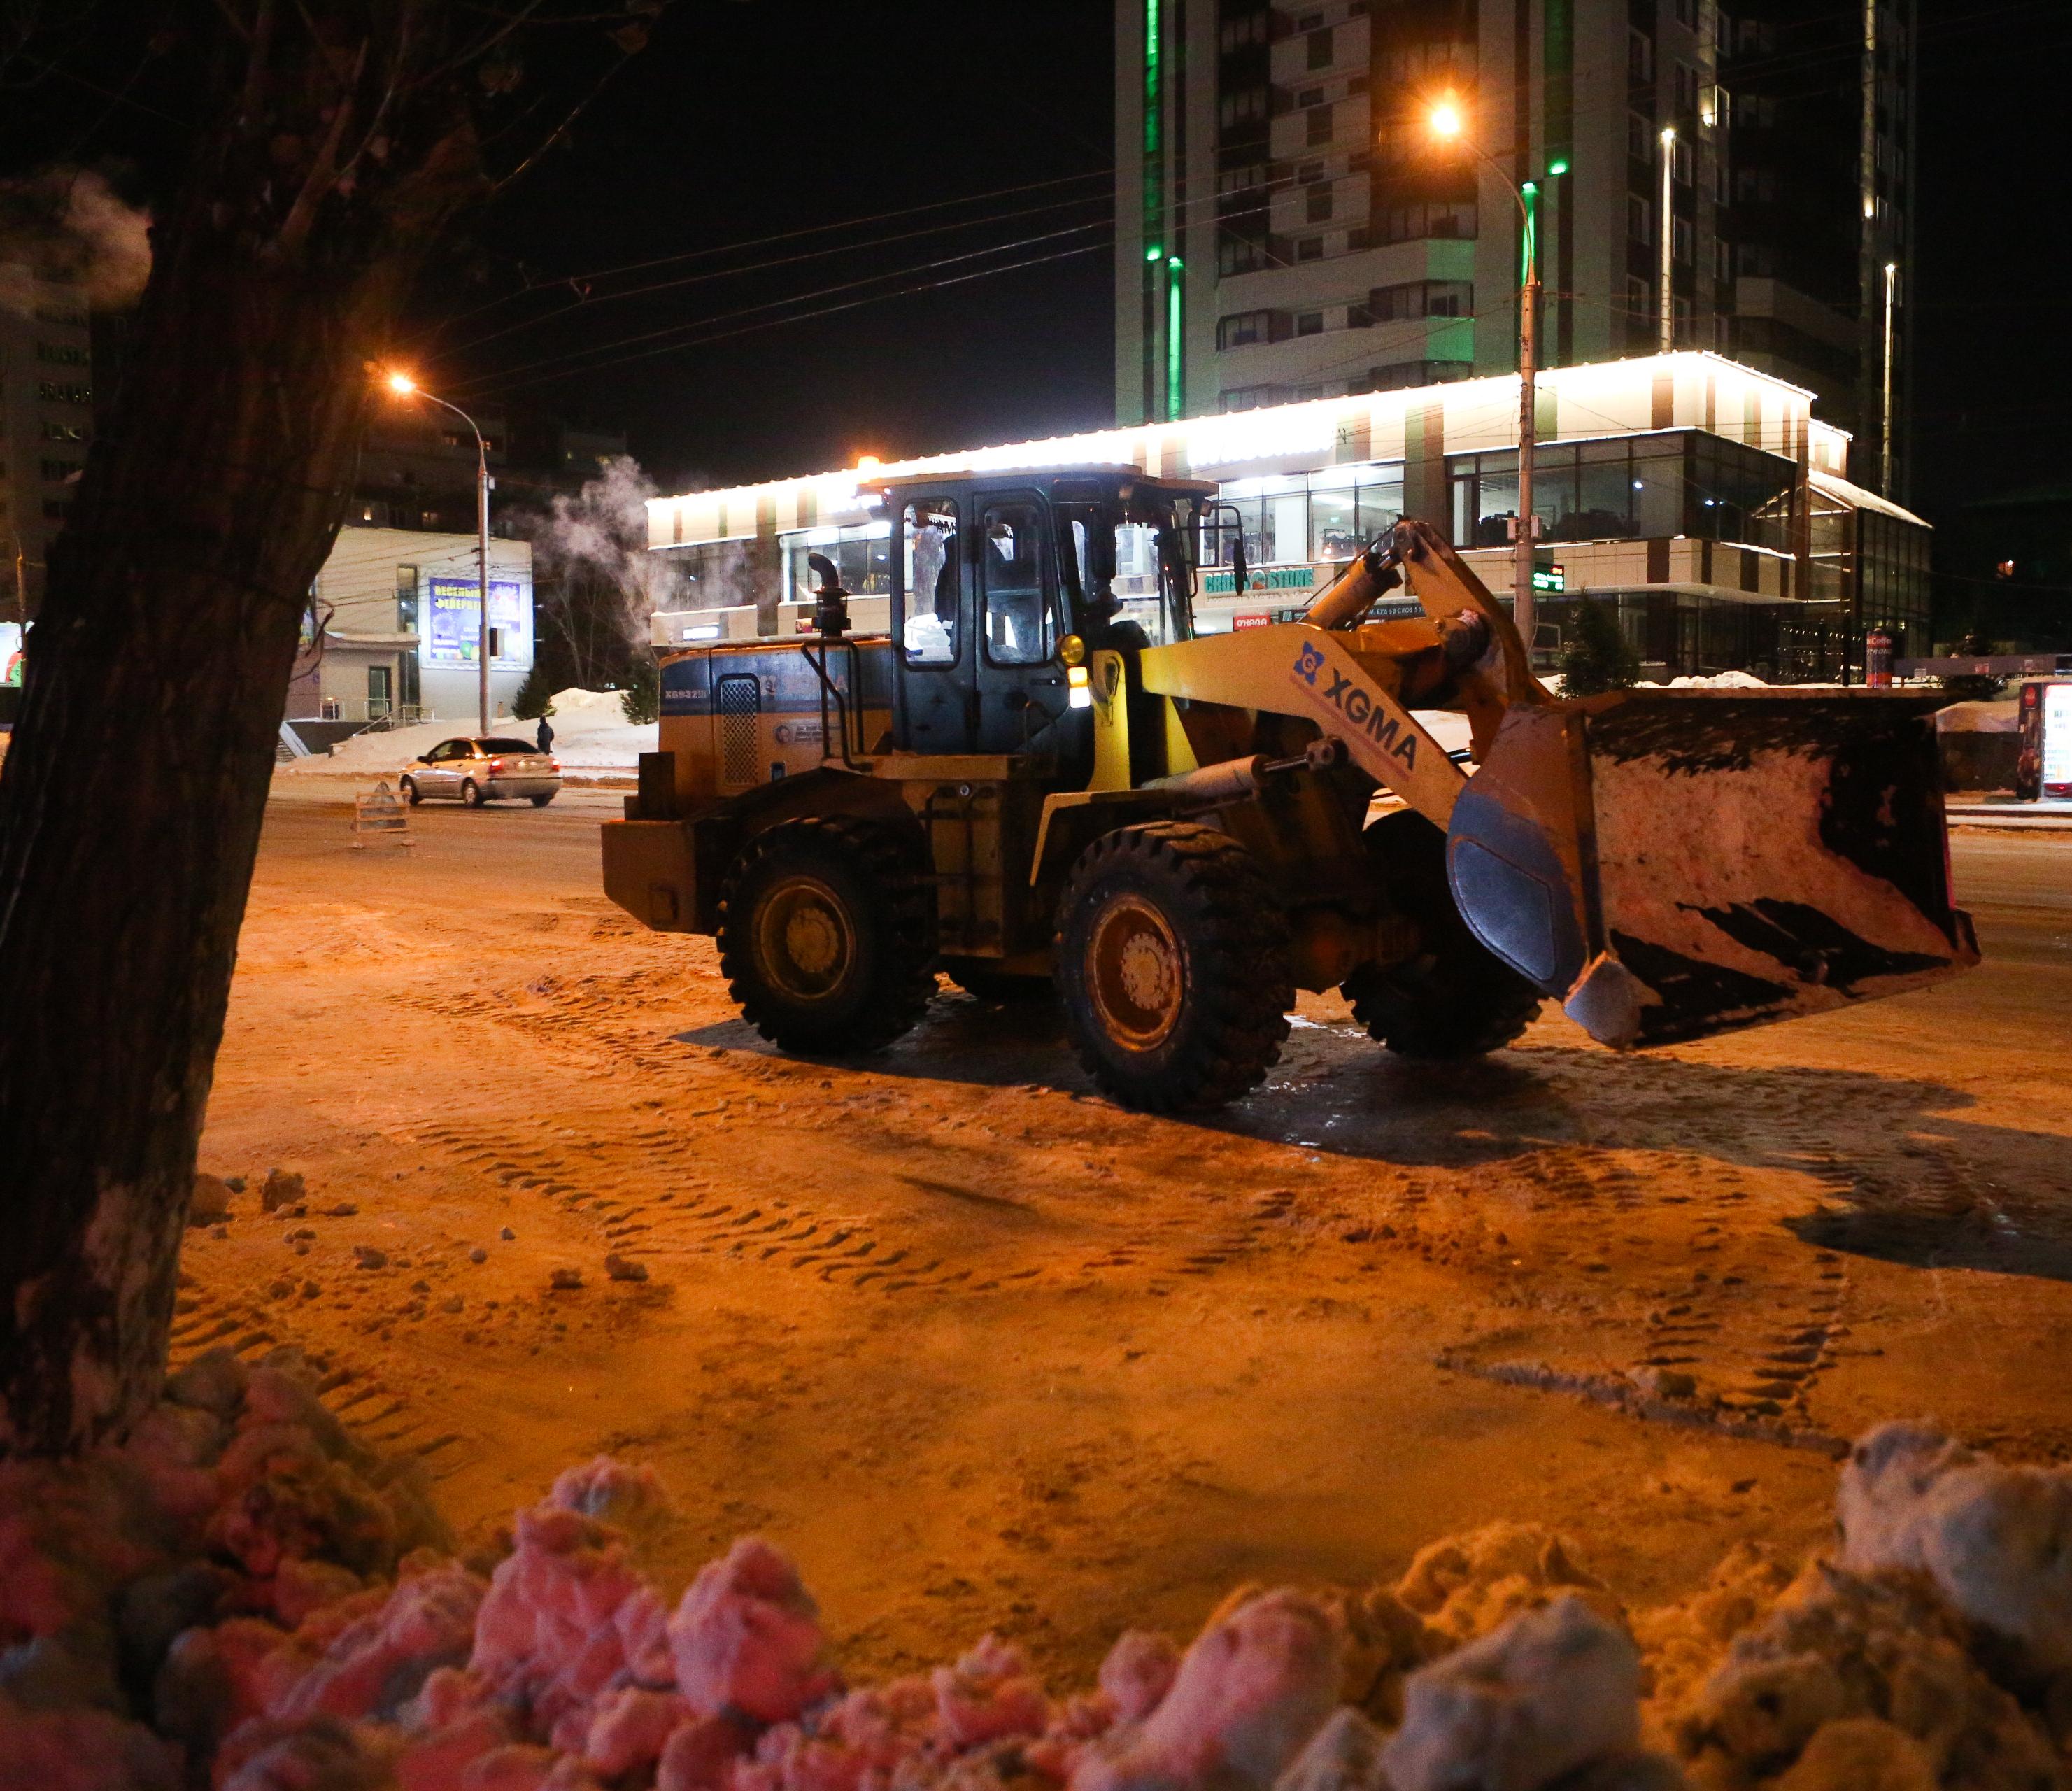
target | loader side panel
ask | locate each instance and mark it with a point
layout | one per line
(740, 717)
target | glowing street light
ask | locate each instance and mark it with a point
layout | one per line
(403, 386)
(1449, 125)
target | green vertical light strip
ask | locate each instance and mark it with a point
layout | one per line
(1155, 182)
(1176, 402)
(1528, 238)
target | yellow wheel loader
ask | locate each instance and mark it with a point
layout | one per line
(1041, 780)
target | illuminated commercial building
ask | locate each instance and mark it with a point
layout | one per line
(1703, 496)
(400, 610)
(1288, 229)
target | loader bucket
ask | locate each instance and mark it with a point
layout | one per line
(1676, 863)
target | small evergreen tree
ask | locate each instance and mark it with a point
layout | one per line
(1595, 656)
(641, 701)
(535, 696)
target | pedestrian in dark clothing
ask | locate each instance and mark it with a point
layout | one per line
(546, 735)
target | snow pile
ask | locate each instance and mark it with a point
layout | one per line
(591, 732)
(1721, 680)
(239, 1597)
(2002, 716)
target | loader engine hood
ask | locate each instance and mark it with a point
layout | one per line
(1676, 863)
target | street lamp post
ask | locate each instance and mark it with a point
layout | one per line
(404, 386)
(1447, 124)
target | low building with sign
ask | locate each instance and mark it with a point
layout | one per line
(396, 629)
(1702, 495)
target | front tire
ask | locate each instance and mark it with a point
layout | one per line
(410, 793)
(1173, 963)
(826, 935)
(470, 794)
(1455, 998)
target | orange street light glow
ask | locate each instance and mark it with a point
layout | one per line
(402, 384)
(868, 464)
(1446, 121)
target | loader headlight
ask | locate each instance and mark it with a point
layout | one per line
(1079, 687)
(1072, 651)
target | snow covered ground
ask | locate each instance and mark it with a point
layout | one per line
(591, 732)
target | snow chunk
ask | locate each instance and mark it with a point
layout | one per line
(1345, 1755)
(747, 1637)
(1861, 1753)
(612, 1492)
(566, 1617)
(1839, 1645)
(1466, 1586)
(375, 1664)
(1255, 1686)
(989, 1693)
(1552, 1690)
(1997, 1541)
(81, 1751)
(1138, 1672)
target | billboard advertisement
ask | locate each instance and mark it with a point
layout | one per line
(2057, 740)
(453, 628)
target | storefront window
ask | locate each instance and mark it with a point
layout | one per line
(1334, 524)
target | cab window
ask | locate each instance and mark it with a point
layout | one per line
(1019, 627)
(930, 626)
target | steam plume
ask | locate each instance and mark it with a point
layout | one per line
(68, 224)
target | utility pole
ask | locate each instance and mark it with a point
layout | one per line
(482, 576)
(1667, 308)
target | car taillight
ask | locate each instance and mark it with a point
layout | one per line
(554, 765)
(496, 764)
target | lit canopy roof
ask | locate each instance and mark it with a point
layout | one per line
(1687, 390)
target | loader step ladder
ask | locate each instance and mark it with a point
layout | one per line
(380, 817)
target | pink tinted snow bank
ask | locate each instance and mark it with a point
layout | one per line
(236, 1558)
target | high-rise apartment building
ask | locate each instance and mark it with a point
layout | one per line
(1288, 226)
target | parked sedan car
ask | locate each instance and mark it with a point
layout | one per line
(476, 771)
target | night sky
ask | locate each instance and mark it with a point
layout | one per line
(743, 121)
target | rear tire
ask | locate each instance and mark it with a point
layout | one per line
(470, 794)
(541, 801)
(1455, 998)
(826, 935)
(1173, 964)
(978, 977)
(409, 789)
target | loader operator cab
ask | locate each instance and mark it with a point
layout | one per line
(998, 579)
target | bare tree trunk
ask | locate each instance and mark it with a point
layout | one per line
(132, 802)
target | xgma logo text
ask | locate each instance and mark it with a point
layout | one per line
(1360, 709)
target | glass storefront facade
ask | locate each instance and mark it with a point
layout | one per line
(1628, 488)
